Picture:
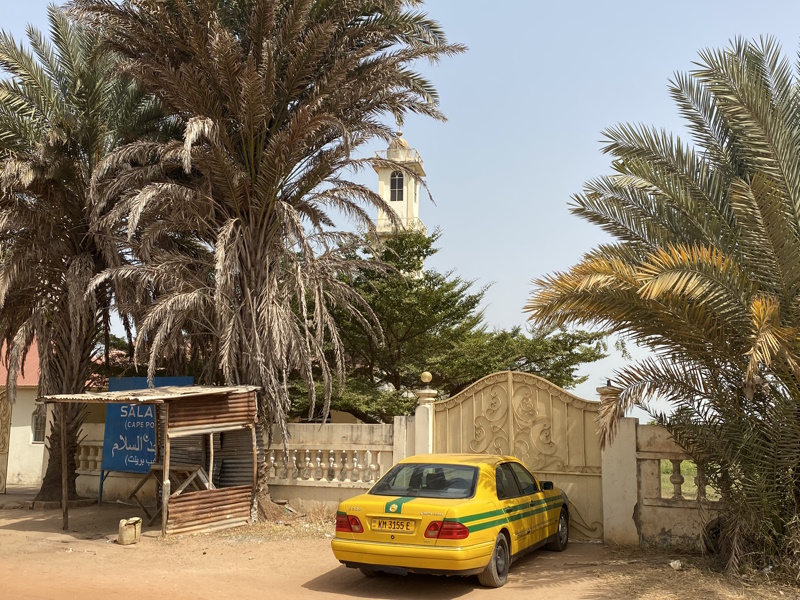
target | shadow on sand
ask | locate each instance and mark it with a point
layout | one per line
(85, 523)
(539, 570)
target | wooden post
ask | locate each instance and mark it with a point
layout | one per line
(253, 498)
(255, 457)
(165, 486)
(64, 490)
(210, 461)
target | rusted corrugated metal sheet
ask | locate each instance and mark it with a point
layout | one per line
(214, 410)
(209, 509)
(236, 458)
(188, 451)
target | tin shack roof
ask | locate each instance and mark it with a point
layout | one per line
(157, 395)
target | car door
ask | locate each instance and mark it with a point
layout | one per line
(538, 513)
(514, 505)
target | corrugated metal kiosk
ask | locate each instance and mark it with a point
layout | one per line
(207, 447)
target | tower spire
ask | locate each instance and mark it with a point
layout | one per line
(398, 185)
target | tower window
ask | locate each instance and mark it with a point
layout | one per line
(396, 186)
(38, 423)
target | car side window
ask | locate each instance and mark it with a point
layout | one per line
(506, 483)
(526, 481)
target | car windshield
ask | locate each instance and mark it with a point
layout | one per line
(428, 480)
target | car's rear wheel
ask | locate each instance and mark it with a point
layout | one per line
(560, 540)
(496, 571)
(370, 572)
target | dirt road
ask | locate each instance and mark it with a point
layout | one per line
(38, 561)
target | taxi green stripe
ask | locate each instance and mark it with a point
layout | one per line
(399, 502)
(499, 512)
(518, 516)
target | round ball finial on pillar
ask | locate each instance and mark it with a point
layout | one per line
(426, 395)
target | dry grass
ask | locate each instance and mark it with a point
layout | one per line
(320, 515)
(281, 522)
(646, 574)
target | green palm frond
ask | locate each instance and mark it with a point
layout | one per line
(704, 273)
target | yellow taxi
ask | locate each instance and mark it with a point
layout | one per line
(453, 514)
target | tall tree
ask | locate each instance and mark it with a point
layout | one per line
(62, 109)
(705, 271)
(421, 313)
(232, 225)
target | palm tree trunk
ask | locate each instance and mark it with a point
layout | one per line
(51, 484)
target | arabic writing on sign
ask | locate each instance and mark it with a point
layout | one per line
(129, 443)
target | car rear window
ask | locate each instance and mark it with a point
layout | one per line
(428, 480)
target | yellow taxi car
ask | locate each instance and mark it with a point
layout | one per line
(453, 514)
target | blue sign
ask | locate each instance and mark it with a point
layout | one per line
(129, 441)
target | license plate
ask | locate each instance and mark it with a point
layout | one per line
(392, 525)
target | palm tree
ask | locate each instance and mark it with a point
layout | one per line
(704, 270)
(233, 226)
(62, 108)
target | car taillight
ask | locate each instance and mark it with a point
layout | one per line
(355, 524)
(348, 523)
(447, 530)
(433, 529)
(342, 523)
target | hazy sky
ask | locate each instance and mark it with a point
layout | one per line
(526, 107)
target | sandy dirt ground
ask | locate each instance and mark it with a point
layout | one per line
(293, 559)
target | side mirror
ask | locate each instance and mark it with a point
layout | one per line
(547, 485)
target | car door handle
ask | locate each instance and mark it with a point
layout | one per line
(508, 510)
(533, 503)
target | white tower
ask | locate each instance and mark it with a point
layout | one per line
(399, 189)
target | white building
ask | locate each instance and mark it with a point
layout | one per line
(399, 187)
(22, 428)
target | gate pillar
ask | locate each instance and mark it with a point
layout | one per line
(423, 418)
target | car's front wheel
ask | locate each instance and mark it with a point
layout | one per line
(496, 571)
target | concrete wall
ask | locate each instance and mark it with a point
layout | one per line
(636, 510)
(667, 518)
(25, 457)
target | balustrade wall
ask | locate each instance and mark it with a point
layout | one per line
(325, 464)
(666, 514)
(641, 508)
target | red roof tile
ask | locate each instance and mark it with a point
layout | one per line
(31, 368)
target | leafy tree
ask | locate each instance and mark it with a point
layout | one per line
(705, 271)
(431, 321)
(552, 355)
(62, 109)
(422, 313)
(231, 226)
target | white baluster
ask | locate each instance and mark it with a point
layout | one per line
(348, 466)
(307, 465)
(317, 456)
(329, 472)
(337, 465)
(287, 471)
(299, 463)
(373, 466)
(360, 464)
